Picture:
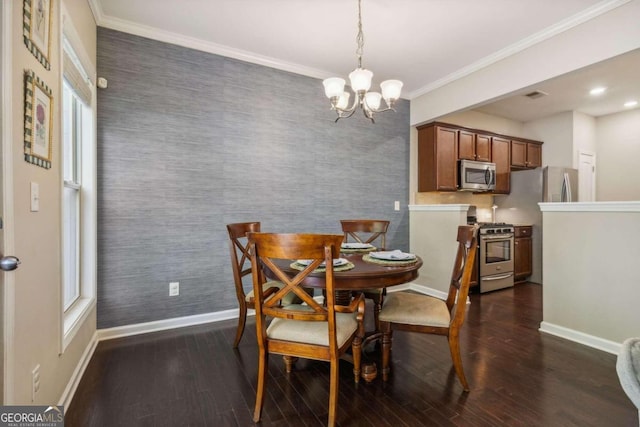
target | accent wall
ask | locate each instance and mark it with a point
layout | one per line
(190, 141)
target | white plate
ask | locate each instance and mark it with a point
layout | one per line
(396, 255)
(356, 246)
(336, 262)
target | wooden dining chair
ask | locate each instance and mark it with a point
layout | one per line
(429, 315)
(310, 330)
(372, 231)
(241, 267)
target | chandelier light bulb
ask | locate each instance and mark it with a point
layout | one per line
(343, 101)
(333, 87)
(372, 100)
(391, 90)
(360, 79)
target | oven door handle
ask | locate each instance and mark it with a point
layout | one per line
(497, 237)
(504, 276)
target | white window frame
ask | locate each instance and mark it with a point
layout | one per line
(78, 313)
(78, 122)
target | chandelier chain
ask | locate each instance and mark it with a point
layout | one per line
(360, 36)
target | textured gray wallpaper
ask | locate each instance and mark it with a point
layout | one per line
(189, 141)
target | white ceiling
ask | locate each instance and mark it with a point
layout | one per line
(424, 43)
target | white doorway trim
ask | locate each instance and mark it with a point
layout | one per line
(582, 154)
(6, 109)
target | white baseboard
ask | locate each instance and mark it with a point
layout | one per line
(580, 337)
(428, 291)
(72, 385)
(162, 325)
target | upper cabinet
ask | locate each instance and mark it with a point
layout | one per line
(437, 158)
(526, 154)
(473, 146)
(501, 150)
(441, 145)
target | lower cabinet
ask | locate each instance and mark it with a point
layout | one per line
(523, 252)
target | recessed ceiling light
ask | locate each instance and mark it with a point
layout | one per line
(630, 104)
(597, 91)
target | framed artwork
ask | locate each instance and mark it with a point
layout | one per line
(38, 120)
(37, 29)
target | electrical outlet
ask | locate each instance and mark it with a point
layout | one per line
(35, 382)
(174, 289)
(396, 205)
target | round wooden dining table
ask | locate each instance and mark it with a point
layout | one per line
(364, 275)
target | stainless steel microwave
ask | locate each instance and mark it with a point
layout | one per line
(476, 176)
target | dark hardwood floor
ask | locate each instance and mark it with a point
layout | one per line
(518, 377)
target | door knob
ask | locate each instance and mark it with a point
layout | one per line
(8, 263)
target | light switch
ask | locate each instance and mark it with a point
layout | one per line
(35, 197)
(396, 205)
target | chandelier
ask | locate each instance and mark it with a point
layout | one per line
(360, 80)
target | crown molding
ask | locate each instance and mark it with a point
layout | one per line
(96, 10)
(562, 26)
(153, 33)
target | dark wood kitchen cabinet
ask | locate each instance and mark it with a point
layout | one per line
(474, 146)
(441, 145)
(523, 251)
(501, 156)
(437, 158)
(526, 155)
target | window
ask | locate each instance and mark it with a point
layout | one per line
(79, 211)
(72, 111)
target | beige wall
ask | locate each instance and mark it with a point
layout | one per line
(590, 285)
(488, 122)
(433, 238)
(557, 134)
(38, 322)
(617, 154)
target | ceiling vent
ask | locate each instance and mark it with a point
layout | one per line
(536, 94)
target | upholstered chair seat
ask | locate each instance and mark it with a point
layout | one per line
(312, 332)
(415, 309)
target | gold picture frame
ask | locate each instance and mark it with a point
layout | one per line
(38, 121)
(37, 29)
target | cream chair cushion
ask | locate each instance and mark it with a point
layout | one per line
(312, 332)
(415, 309)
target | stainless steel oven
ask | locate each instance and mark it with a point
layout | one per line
(496, 254)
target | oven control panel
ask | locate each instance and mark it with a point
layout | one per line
(505, 229)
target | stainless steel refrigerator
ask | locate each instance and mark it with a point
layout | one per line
(520, 207)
